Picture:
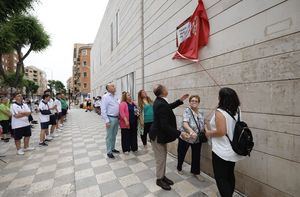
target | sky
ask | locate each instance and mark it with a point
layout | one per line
(67, 22)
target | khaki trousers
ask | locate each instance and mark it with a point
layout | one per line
(160, 154)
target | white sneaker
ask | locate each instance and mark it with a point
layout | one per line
(20, 152)
(29, 149)
(49, 137)
(61, 125)
(59, 130)
(55, 135)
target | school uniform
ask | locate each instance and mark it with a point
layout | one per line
(20, 126)
(44, 114)
(57, 102)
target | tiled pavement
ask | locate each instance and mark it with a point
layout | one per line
(75, 164)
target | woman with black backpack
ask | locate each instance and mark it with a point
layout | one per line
(221, 131)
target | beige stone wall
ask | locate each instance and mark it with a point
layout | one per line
(125, 58)
(253, 48)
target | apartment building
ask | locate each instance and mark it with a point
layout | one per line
(81, 69)
(38, 76)
(253, 48)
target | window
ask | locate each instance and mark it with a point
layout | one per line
(111, 37)
(117, 28)
(84, 74)
(84, 85)
(84, 63)
(84, 52)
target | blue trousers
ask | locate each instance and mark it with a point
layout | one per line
(111, 134)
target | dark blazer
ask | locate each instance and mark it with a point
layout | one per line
(164, 126)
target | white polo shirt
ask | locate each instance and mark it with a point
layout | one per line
(15, 109)
(43, 106)
(51, 104)
(58, 104)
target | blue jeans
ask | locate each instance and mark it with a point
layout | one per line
(111, 135)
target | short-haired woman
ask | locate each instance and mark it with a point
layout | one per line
(193, 123)
(146, 116)
(128, 123)
(223, 156)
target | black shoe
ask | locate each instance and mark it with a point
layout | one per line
(110, 155)
(43, 144)
(163, 184)
(115, 151)
(168, 181)
(6, 140)
(47, 140)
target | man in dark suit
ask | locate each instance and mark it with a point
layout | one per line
(163, 131)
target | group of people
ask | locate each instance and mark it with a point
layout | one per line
(158, 120)
(15, 118)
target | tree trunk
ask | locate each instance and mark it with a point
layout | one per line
(20, 68)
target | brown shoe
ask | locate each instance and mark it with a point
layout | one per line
(168, 181)
(163, 184)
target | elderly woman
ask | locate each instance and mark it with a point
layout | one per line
(193, 123)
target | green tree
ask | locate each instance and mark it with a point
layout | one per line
(57, 86)
(9, 82)
(31, 87)
(29, 34)
(60, 87)
(9, 8)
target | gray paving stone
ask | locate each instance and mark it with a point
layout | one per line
(110, 187)
(85, 183)
(145, 174)
(44, 176)
(137, 190)
(70, 178)
(123, 172)
(82, 166)
(102, 169)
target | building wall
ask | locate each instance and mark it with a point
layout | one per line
(81, 65)
(122, 64)
(253, 48)
(38, 76)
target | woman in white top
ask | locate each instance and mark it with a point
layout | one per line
(223, 156)
(20, 123)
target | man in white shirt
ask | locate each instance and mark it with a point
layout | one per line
(44, 118)
(110, 114)
(20, 124)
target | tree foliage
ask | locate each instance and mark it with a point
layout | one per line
(31, 87)
(57, 86)
(18, 31)
(9, 8)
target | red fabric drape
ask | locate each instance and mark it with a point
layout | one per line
(189, 48)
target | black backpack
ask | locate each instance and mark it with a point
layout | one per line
(242, 142)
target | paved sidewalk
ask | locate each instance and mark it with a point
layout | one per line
(75, 164)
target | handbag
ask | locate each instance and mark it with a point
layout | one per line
(201, 135)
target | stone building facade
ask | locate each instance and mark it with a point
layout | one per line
(38, 76)
(253, 48)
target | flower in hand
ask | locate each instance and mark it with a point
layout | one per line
(193, 135)
(185, 136)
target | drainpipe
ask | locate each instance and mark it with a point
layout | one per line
(142, 44)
